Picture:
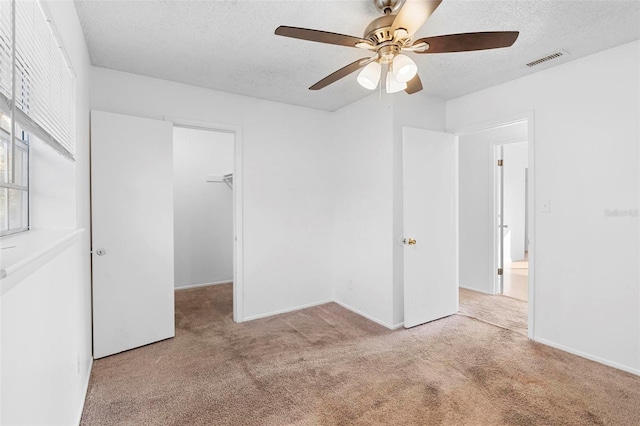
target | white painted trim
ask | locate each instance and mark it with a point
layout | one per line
(31, 258)
(477, 290)
(495, 155)
(531, 201)
(86, 390)
(369, 317)
(493, 172)
(202, 125)
(186, 287)
(491, 124)
(589, 356)
(397, 326)
(456, 211)
(238, 209)
(286, 310)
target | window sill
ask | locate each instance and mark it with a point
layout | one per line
(20, 250)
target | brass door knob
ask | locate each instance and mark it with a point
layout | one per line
(410, 241)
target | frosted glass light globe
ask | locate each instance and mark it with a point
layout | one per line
(404, 69)
(370, 76)
(393, 85)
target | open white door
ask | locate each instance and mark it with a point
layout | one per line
(132, 231)
(430, 225)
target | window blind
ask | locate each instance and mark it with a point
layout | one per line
(5, 50)
(44, 81)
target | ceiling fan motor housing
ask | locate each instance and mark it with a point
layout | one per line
(379, 30)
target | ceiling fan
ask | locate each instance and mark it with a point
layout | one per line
(390, 37)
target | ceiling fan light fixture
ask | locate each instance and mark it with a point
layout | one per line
(404, 69)
(370, 76)
(393, 85)
(391, 34)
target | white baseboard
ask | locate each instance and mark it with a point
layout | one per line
(185, 287)
(284, 311)
(588, 356)
(369, 317)
(84, 394)
(310, 305)
(477, 290)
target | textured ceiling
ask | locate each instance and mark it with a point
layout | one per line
(230, 45)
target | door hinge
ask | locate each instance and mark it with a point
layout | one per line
(499, 271)
(499, 163)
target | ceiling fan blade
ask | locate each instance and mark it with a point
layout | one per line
(468, 41)
(414, 85)
(342, 72)
(319, 36)
(413, 14)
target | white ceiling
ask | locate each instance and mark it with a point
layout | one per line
(230, 45)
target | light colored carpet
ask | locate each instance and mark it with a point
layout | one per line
(328, 366)
(498, 310)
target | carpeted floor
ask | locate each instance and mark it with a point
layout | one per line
(497, 310)
(328, 366)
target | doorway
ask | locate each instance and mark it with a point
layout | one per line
(208, 206)
(482, 232)
(133, 248)
(203, 207)
(512, 217)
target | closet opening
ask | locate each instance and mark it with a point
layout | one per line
(207, 213)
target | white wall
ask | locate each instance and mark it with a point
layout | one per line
(203, 211)
(515, 167)
(587, 283)
(363, 217)
(319, 189)
(368, 256)
(288, 194)
(46, 308)
(476, 196)
(46, 345)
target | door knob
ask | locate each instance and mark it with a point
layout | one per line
(410, 241)
(101, 252)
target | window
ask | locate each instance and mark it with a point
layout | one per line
(14, 191)
(37, 100)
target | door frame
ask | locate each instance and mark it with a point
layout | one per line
(498, 198)
(529, 117)
(238, 253)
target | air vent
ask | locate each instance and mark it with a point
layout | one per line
(547, 58)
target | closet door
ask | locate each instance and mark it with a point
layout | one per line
(132, 231)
